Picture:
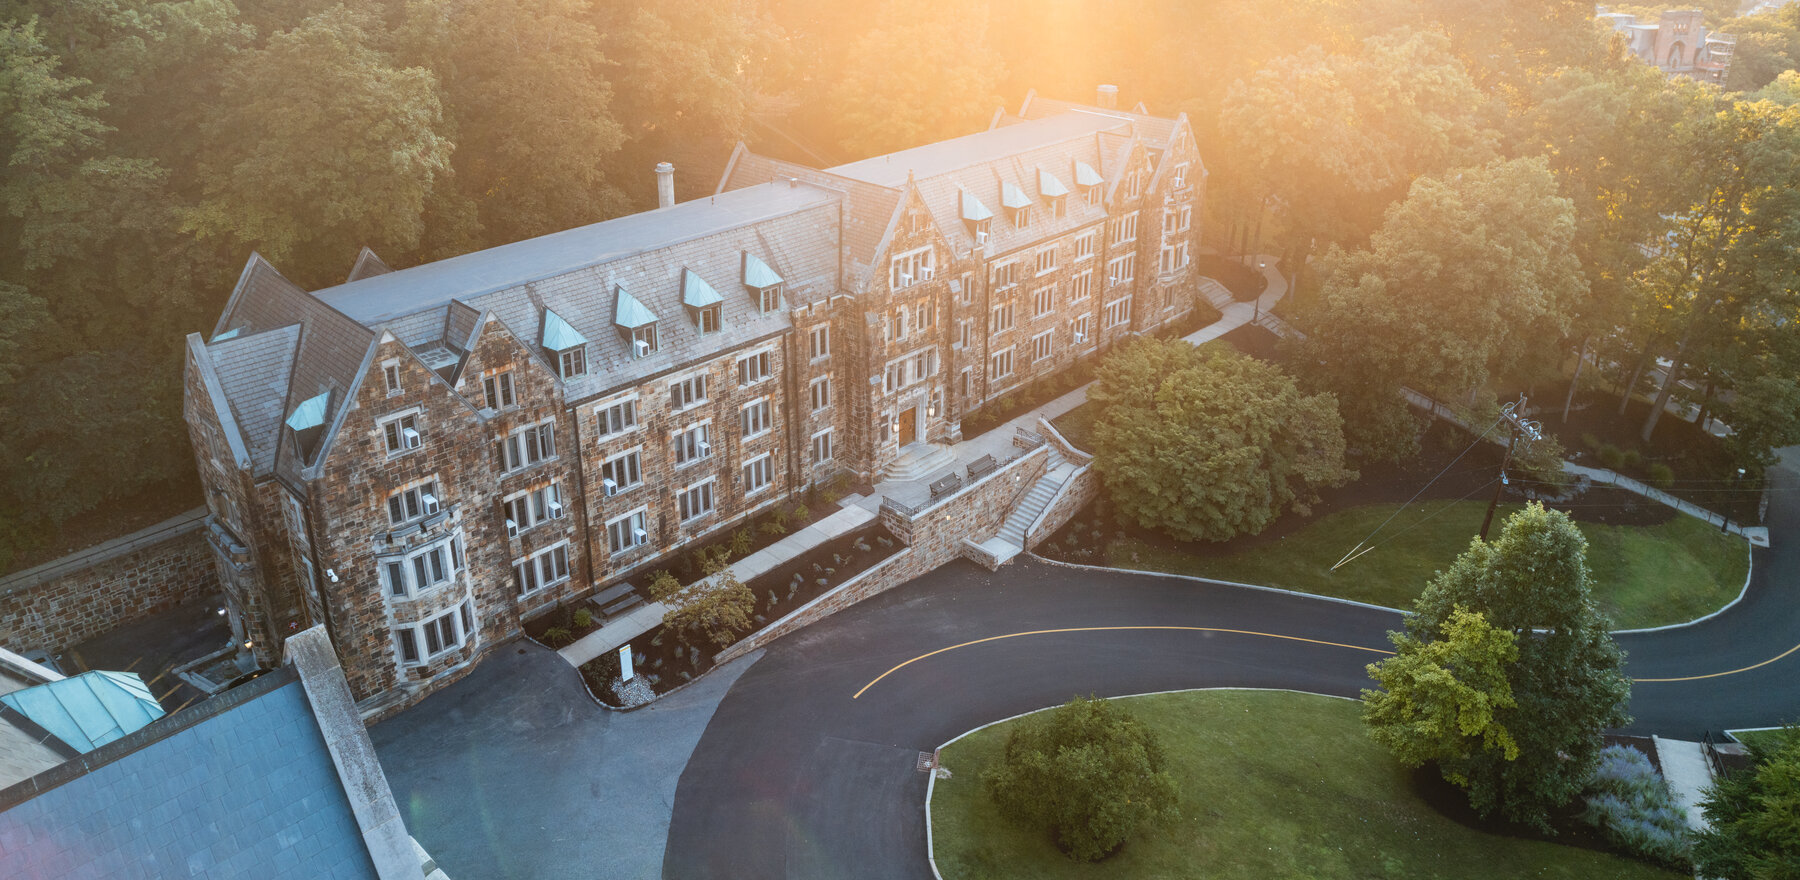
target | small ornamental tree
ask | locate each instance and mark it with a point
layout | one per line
(1089, 772)
(1755, 818)
(717, 608)
(1440, 699)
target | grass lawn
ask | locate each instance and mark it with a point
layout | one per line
(1273, 785)
(1767, 739)
(1643, 575)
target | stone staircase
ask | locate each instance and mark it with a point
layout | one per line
(1216, 293)
(919, 460)
(1010, 540)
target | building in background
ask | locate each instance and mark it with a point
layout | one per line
(1678, 43)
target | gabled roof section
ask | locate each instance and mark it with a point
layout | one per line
(628, 312)
(1085, 175)
(88, 710)
(1013, 197)
(1049, 186)
(559, 335)
(367, 266)
(254, 373)
(868, 209)
(696, 293)
(972, 208)
(757, 273)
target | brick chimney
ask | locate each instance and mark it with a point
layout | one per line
(665, 185)
(1107, 97)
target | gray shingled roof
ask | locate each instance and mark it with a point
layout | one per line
(1155, 130)
(253, 372)
(868, 208)
(248, 793)
(970, 151)
(367, 266)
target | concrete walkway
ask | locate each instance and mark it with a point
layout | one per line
(1688, 773)
(998, 441)
(647, 617)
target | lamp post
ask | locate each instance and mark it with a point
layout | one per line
(1725, 518)
(1256, 316)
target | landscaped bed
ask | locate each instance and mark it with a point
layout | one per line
(1272, 784)
(666, 663)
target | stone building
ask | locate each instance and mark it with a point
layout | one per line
(1678, 43)
(421, 459)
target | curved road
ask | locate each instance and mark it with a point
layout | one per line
(798, 777)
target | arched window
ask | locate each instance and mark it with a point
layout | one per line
(1675, 55)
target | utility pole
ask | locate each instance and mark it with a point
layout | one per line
(1519, 428)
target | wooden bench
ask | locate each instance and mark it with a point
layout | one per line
(616, 600)
(948, 483)
(981, 466)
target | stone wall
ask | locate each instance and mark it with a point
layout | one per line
(1082, 487)
(63, 603)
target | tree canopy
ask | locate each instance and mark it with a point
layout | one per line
(1754, 818)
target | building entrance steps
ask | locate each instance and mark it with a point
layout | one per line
(920, 460)
(649, 616)
(1689, 774)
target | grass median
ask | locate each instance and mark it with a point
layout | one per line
(1654, 575)
(1273, 785)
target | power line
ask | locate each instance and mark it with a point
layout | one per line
(1459, 457)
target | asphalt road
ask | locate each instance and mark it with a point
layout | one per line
(796, 777)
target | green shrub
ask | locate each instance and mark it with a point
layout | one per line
(1661, 475)
(1591, 442)
(774, 528)
(1088, 772)
(1632, 459)
(1631, 806)
(1751, 812)
(1610, 456)
(740, 541)
(802, 513)
(556, 636)
(583, 618)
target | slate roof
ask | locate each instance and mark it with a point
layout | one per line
(88, 710)
(1155, 130)
(974, 150)
(241, 786)
(367, 266)
(254, 371)
(868, 209)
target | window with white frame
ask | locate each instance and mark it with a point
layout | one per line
(424, 642)
(1124, 229)
(390, 371)
(643, 341)
(627, 532)
(753, 369)
(758, 472)
(615, 418)
(1121, 269)
(819, 391)
(1093, 194)
(1001, 318)
(753, 418)
(1174, 256)
(1021, 217)
(965, 332)
(528, 446)
(696, 500)
(1044, 301)
(542, 569)
(818, 342)
(572, 362)
(693, 444)
(401, 433)
(911, 268)
(1081, 286)
(1117, 312)
(821, 446)
(1081, 330)
(968, 289)
(1041, 345)
(413, 503)
(967, 381)
(1058, 206)
(1084, 245)
(497, 390)
(1001, 364)
(621, 472)
(1181, 174)
(423, 568)
(768, 299)
(687, 392)
(1134, 183)
(1046, 261)
(925, 314)
(533, 507)
(1178, 219)
(911, 369)
(1006, 275)
(707, 320)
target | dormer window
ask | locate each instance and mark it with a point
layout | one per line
(701, 300)
(763, 283)
(567, 344)
(636, 323)
(643, 341)
(1017, 204)
(1090, 183)
(768, 299)
(1052, 191)
(976, 217)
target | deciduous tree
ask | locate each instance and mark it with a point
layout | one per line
(923, 71)
(1755, 818)
(1440, 699)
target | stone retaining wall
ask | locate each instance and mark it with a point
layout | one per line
(63, 603)
(1082, 487)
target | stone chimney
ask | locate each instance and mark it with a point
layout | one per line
(1107, 97)
(665, 185)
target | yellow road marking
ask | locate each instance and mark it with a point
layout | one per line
(1728, 672)
(1040, 632)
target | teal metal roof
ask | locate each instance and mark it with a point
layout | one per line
(1013, 197)
(1049, 187)
(558, 335)
(1085, 175)
(696, 293)
(757, 273)
(229, 334)
(973, 209)
(629, 313)
(310, 413)
(89, 710)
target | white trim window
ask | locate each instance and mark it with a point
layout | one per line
(1081, 330)
(753, 369)
(1005, 275)
(695, 501)
(768, 299)
(413, 502)
(1117, 312)
(1084, 245)
(819, 391)
(688, 392)
(527, 446)
(1093, 194)
(1043, 302)
(497, 390)
(1001, 364)
(1174, 257)
(968, 289)
(572, 362)
(440, 635)
(912, 267)
(706, 320)
(1178, 219)
(390, 373)
(911, 369)
(1134, 184)
(1081, 286)
(621, 472)
(1042, 345)
(1001, 319)
(753, 418)
(643, 341)
(965, 332)
(759, 472)
(818, 342)
(1124, 229)
(925, 314)
(627, 532)
(692, 444)
(545, 568)
(1046, 261)
(401, 432)
(615, 418)
(821, 446)
(533, 507)
(423, 568)
(1121, 270)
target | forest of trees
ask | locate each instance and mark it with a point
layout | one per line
(151, 146)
